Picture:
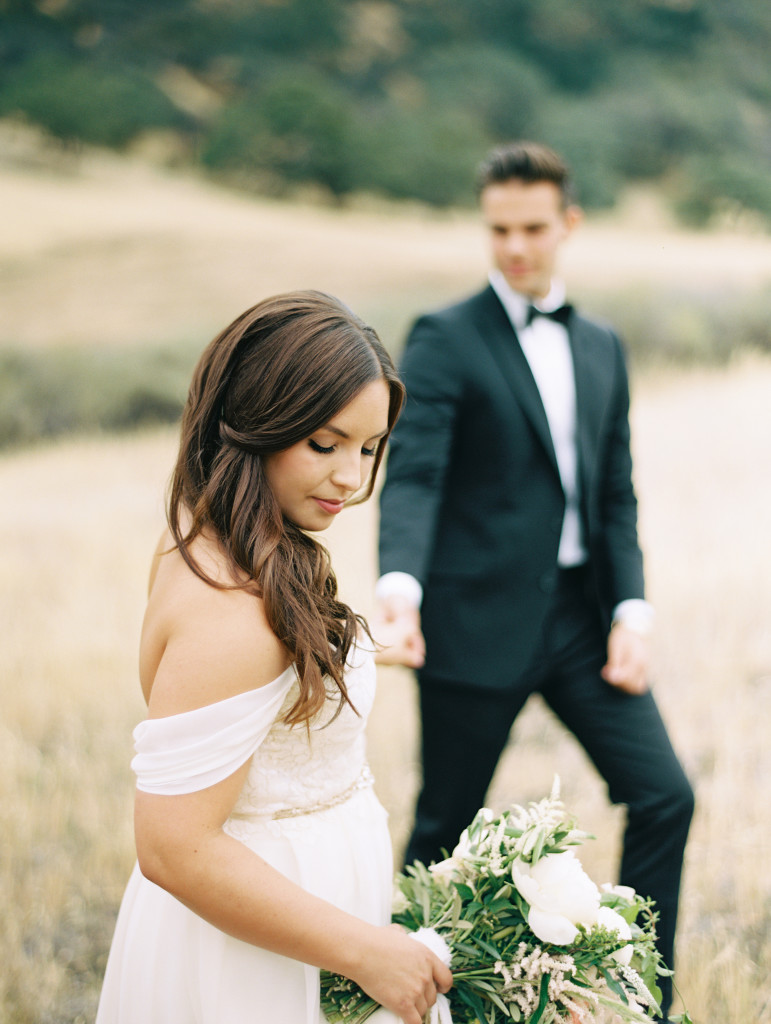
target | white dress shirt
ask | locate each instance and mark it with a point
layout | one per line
(547, 350)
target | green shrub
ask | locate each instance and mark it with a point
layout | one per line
(499, 88)
(47, 393)
(575, 128)
(422, 154)
(296, 129)
(77, 100)
(708, 185)
(661, 326)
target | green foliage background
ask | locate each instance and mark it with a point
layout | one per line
(400, 97)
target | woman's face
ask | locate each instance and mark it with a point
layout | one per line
(314, 478)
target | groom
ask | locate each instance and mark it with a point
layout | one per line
(508, 541)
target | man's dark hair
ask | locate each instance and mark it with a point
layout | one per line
(529, 162)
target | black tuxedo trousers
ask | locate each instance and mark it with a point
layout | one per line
(465, 728)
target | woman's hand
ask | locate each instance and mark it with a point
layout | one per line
(401, 974)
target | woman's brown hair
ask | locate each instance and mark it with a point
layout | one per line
(279, 372)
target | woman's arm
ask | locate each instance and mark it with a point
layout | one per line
(202, 645)
(182, 848)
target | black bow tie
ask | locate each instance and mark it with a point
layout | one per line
(561, 314)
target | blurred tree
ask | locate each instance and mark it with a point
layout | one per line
(298, 129)
(706, 186)
(423, 154)
(353, 94)
(579, 130)
(87, 102)
(500, 89)
(570, 42)
(669, 27)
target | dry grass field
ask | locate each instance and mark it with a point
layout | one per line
(129, 256)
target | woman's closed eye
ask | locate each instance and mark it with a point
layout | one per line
(323, 450)
(320, 447)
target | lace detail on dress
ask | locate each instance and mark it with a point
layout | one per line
(297, 769)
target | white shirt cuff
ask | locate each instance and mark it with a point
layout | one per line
(635, 614)
(399, 584)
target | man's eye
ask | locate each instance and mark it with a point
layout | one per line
(320, 447)
(368, 451)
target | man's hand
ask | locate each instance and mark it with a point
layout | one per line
(396, 625)
(627, 664)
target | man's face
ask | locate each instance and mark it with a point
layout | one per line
(527, 224)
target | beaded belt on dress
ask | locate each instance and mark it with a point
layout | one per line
(364, 781)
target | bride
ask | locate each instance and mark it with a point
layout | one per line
(263, 853)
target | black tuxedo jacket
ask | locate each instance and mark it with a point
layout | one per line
(473, 505)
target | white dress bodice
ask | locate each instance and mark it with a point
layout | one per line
(299, 770)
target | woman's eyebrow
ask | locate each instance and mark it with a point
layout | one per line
(347, 437)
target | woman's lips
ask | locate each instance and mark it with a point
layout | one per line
(332, 507)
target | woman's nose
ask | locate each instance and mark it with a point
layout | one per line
(348, 473)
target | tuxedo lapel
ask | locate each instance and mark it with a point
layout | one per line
(497, 334)
(592, 387)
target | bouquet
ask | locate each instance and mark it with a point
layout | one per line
(530, 937)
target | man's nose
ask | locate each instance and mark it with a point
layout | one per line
(515, 243)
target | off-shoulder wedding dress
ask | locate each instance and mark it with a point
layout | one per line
(307, 807)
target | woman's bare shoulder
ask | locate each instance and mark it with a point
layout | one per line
(202, 643)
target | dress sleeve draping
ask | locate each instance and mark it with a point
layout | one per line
(193, 750)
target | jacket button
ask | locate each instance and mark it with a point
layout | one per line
(546, 583)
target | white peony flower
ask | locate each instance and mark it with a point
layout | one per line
(465, 846)
(626, 892)
(561, 895)
(463, 850)
(399, 902)
(608, 918)
(446, 870)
